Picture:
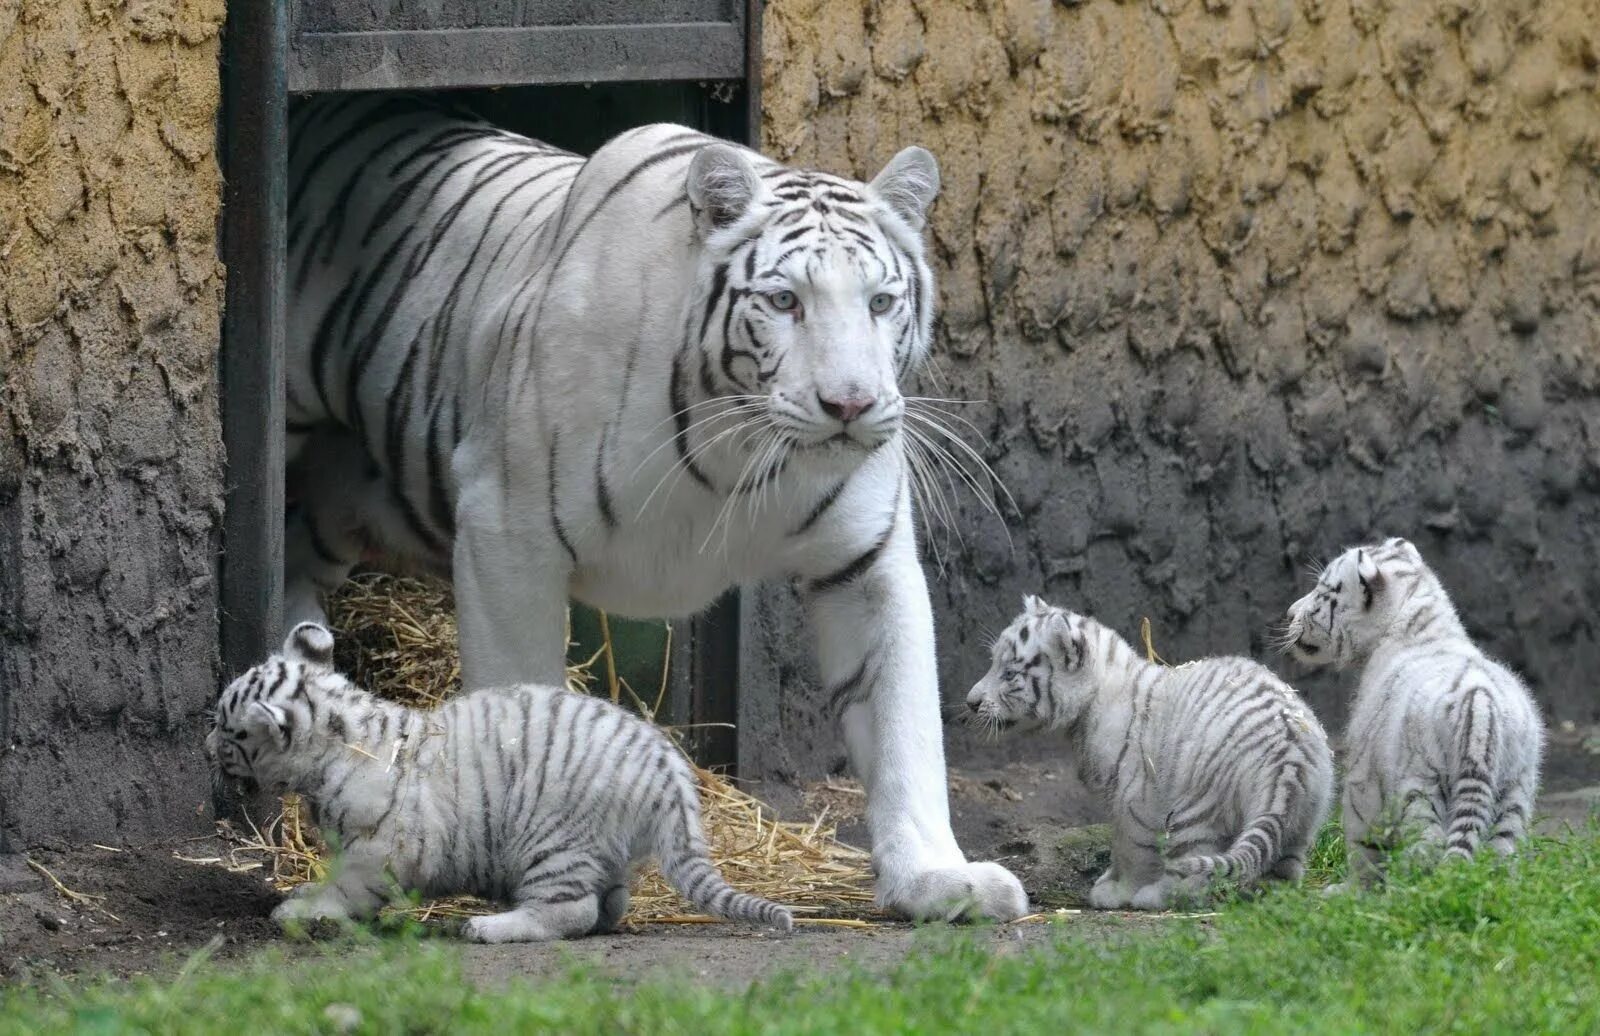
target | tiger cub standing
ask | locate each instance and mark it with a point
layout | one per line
(1215, 768)
(533, 795)
(1444, 742)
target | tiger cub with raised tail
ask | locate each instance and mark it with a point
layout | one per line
(534, 795)
(1213, 769)
(1444, 742)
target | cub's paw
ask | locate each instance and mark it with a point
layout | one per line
(309, 908)
(1152, 897)
(512, 926)
(964, 893)
(311, 917)
(1109, 895)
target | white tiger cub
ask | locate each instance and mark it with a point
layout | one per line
(1444, 742)
(533, 795)
(1212, 769)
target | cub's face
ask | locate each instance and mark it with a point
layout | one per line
(257, 718)
(1038, 670)
(818, 300)
(1341, 620)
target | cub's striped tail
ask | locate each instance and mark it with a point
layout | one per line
(686, 864)
(1258, 846)
(1472, 796)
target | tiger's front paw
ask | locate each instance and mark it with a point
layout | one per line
(309, 908)
(964, 893)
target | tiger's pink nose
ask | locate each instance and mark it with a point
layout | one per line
(846, 409)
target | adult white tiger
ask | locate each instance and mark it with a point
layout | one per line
(639, 380)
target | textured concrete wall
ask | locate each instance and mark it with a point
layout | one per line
(1245, 282)
(110, 456)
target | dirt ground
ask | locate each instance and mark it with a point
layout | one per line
(143, 910)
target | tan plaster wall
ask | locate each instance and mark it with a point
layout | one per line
(110, 450)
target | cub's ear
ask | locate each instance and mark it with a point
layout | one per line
(1403, 545)
(722, 187)
(1065, 637)
(311, 644)
(268, 721)
(1370, 576)
(1034, 605)
(908, 185)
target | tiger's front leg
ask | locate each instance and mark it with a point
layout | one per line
(874, 628)
(511, 577)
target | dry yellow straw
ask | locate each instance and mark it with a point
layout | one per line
(1149, 645)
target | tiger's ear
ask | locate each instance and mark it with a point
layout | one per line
(311, 644)
(1370, 576)
(1060, 634)
(722, 187)
(268, 721)
(908, 185)
(1034, 605)
(1403, 545)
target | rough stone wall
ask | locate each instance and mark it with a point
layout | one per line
(110, 450)
(1246, 282)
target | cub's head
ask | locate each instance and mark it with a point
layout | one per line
(1039, 670)
(1353, 604)
(265, 713)
(815, 298)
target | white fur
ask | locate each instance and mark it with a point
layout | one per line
(566, 350)
(1215, 768)
(476, 797)
(1444, 743)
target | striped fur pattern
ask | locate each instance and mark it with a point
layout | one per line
(1213, 769)
(637, 380)
(1444, 742)
(533, 795)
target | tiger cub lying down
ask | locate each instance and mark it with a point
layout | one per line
(1444, 742)
(532, 795)
(1214, 769)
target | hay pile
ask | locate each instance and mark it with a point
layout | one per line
(396, 636)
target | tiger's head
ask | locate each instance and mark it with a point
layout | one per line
(1039, 670)
(814, 298)
(265, 713)
(1352, 606)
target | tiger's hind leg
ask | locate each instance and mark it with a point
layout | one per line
(334, 487)
(562, 895)
(1511, 825)
(614, 898)
(536, 922)
(1420, 830)
(1134, 863)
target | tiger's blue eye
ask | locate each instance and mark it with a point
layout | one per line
(880, 302)
(783, 301)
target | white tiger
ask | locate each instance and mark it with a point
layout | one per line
(636, 380)
(534, 795)
(1444, 743)
(1214, 768)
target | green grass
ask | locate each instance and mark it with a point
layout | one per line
(1470, 948)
